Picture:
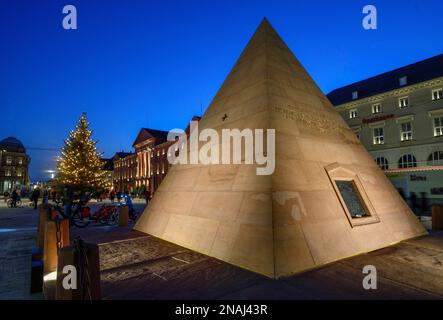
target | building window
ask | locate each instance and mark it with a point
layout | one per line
(8, 160)
(382, 162)
(403, 81)
(406, 131)
(403, 102)
(436, 158)
(378, 136)
(376, 108)
(438, 126)
(163, 152)
(20, 161)
(437, 94)
(158, 153)
(407, 161)
(19, 172)
(8, 172)
(354, 95)
(353, 114)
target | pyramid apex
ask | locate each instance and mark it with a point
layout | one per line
(264, 24)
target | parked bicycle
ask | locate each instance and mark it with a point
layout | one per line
(10, 203)
(106, 214)
(76, 217)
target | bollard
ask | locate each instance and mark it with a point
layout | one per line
(36, 276)
(84, 259)
(42, 218)
(36, 271)
(123, 216)
(437, 217)
(50, 253)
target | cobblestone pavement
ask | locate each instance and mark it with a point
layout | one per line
(138, 266)
(18, 230)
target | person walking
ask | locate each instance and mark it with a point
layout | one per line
(112, 196)
(413, 198)
(34, 197)
(14, 197)
(45, 196)
(147, 196)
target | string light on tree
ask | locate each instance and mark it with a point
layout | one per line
(80, 164)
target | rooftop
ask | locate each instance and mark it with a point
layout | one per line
(421, 71)
(12, 144)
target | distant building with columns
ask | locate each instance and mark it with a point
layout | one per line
(148, 165)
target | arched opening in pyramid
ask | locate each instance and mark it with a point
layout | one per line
(326, 200)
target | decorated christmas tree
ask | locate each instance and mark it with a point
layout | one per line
(80, 164)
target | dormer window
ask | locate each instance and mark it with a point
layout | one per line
(354, 95)
(403, 81)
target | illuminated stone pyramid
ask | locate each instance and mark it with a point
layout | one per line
(326, 200)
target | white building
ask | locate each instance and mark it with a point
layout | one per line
(398, 116)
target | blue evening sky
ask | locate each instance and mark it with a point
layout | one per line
(134, 63)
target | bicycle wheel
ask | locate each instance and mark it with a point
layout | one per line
(79, 221)
(114, 217)
(18, 203)
(9, 203)
(103, 219)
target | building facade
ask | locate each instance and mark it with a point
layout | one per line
(108, 173)
(151, 147)
(146, 168)
(14, 165)
(398, 117)
(125, 166)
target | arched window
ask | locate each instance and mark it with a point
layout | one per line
(382, 162)
(407, 161)
(435, 159)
